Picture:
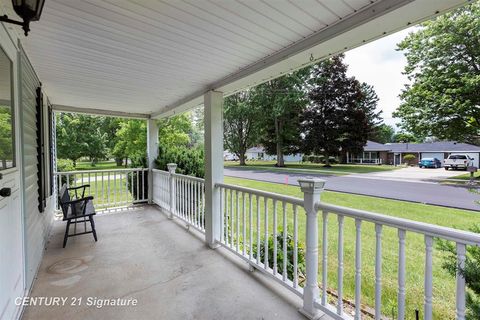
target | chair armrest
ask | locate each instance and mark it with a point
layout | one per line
(75, 188)
(86, 199)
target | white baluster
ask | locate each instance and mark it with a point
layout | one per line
(378, 272)
(460, 305)
(237, 221)
(295, 247)
(222, 215)
(114, 187)
(275, 241)
(244, 227)
(324, 256)
(232, 218)
(340, 266)
(285, 234)
(428, 278)
(358, 269)
(258, 229)
(266, 234)
(401, 274)
(250, 225)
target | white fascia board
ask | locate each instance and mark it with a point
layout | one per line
(99, 112)
(373, 22)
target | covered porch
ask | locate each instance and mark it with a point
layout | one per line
(154, 59)
(145, 256)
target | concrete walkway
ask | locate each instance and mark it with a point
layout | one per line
(142, 255)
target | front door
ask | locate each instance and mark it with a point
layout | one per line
(11, 226)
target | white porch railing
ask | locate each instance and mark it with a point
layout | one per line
(365, 161)
(250, 218)
(110, 188)
(188, 201)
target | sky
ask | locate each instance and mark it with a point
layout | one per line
(379, 64)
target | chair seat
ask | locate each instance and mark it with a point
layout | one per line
(89, 211)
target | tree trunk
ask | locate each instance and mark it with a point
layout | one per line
(278, 136)
(327, 161)
(4, 163)
(74, 163)
(126, 162)
(119, 161)
(242, 157)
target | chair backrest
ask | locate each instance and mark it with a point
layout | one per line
(63, 198)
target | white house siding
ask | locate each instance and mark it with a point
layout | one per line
(37, 224)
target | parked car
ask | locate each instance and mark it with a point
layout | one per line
(430, 163)
(458, 161)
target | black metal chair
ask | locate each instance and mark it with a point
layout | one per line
(75, 208)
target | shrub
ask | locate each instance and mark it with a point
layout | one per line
(190, 161)
(280, 257)
(471, 271)
(65, 165)
(408, 158)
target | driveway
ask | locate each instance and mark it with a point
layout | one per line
(414, 174)
(399, 189)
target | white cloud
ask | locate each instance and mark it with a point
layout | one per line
(380, 65)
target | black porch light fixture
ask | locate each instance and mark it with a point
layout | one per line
(28, 10)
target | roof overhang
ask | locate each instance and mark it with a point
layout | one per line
(132, 56)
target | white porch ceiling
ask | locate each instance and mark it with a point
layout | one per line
(159, 56)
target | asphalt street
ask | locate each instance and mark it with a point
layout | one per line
(421, 192)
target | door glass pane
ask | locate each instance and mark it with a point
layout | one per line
(7, 141)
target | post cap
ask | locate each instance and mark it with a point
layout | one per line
(171, 167)
(311, 184)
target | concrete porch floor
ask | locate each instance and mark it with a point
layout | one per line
(142, 255)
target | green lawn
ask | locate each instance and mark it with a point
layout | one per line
(444, 284)
(101, 165)
(466, 176)
(334, 169)
(110, 191)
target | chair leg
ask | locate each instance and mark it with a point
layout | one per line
(92, 223)
(66, 233)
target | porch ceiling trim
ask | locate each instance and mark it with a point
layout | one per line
(100, 112)
(321, 45)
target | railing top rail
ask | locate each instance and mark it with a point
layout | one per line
(271, 195)
(456, 235)
(183, 176)
(102, 170)
(160, 171)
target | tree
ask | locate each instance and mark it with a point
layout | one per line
(341, 112)
(443, 64)
(383, 133)
(405, 137)
(360, 120)
(80, 135)
(132, 140)
(174, 131)
(282, 101)
(240, 123)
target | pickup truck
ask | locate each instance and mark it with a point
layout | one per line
(458, 161)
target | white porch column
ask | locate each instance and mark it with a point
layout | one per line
(152, 153)
(213, 103)
(312, 189)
